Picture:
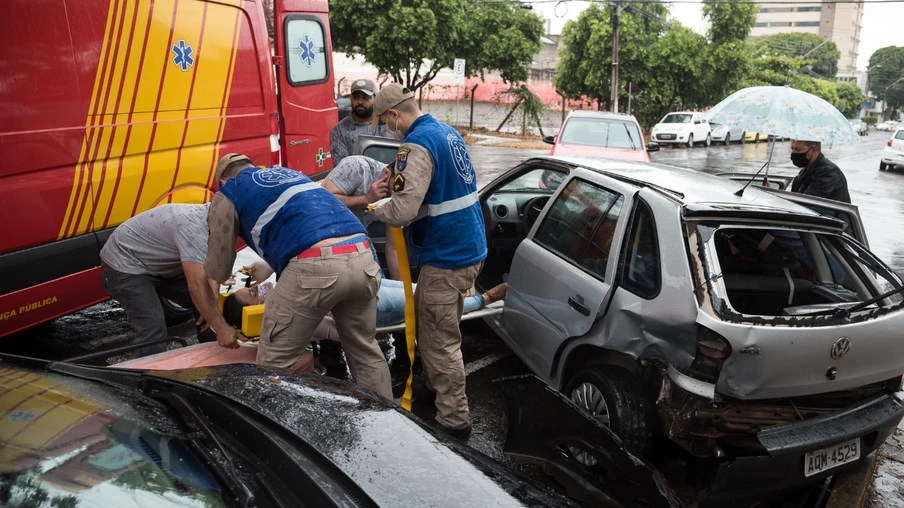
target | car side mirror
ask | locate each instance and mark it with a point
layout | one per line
(652, 147)
(549, 139)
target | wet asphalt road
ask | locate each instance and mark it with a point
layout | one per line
(878, 194)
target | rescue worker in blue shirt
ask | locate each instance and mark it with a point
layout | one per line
(434, 189)
(322, 259)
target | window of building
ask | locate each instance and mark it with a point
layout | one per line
(580, 225)
(809, 9)
(780, 23)
(306, 51)
(806, 23)
(761, 25)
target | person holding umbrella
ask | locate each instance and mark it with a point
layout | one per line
(818, 176)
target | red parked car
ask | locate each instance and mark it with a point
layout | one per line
(601, 134)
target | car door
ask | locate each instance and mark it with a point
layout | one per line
(383, 150)
(701, 128)
(561, 275)
(305, 84)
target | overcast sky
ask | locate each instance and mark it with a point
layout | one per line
(882, 22)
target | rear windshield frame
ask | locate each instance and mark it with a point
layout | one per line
(716, 290)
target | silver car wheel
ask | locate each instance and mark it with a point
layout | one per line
(589, 399)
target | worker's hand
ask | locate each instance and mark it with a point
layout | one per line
(229, 338)
(203, 324)
(260, 271)
(380, 188)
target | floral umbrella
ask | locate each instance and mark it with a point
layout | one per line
(784, 112)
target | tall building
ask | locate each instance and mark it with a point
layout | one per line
(840, 22)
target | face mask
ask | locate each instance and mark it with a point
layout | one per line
(262, 291)
(799, 159)
(395, 133)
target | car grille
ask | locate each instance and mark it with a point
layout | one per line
(665, 136)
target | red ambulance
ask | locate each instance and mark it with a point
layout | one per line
(111, 107)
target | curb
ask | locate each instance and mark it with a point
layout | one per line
(852, 487)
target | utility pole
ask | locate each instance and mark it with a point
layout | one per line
(886, 110)
(613, 94)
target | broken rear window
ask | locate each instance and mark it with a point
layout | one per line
(783, 272)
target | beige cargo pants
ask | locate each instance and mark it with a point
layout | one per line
(308, 289)
(439, 300)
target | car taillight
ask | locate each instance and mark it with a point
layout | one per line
(712, 345)
(890, 141)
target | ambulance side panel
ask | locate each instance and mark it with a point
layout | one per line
(304, 73)
(107, 109)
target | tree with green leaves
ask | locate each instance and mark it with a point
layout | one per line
(796, 44)
(850, 99)
(585, 60)
(412, 40)
(886, 67)
(728, 56)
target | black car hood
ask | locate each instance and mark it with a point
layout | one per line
(396, 460)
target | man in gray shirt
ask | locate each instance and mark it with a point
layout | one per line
(158, 254)
(344, 134)
(359, 181)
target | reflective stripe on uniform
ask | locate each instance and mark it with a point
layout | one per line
(453, 205)
(274, 208)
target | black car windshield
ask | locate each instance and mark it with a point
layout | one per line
(601, 132)
(70, 442)
(785, 272)
(677, 118)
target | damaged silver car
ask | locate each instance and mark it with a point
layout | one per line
(746, 328)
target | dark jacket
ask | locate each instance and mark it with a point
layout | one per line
(823, 179)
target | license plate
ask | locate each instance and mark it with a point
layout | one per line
(666, 136)
(827, 458)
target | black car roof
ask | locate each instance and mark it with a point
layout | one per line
(701, 193)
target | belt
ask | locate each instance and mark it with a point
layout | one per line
(315, 252)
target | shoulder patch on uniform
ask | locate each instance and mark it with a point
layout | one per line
(398, 184)
(402, 158)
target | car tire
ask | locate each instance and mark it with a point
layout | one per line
(757, 139)
(883, 166)
(690, 141)
(615, 398)
(727, 139)
(709, 141)
(175, 314)
(743, 138)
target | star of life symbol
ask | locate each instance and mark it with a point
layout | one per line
(273, 177)
(307, 50)
(461, 157)
(183, 56)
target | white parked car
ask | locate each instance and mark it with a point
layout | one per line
(725, 134)
(683, 128)
(893, 153)
(882, 126)
(860, 127)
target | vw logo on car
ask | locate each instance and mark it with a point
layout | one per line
(841, 347)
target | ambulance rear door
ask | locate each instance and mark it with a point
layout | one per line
(305, 84)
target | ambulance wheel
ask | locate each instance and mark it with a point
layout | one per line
(175, 314)
(615, 398)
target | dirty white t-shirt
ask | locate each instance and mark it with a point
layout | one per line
(157, 241)
(354, 176)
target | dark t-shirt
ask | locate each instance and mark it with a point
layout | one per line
(823, 179)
